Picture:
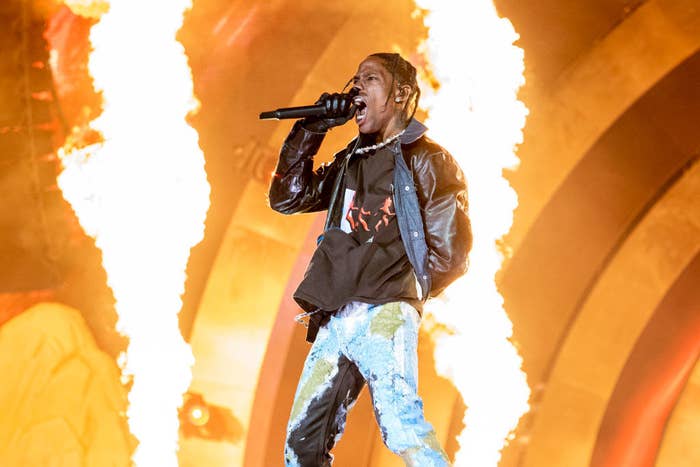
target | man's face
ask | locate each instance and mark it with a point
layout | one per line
(377, 109)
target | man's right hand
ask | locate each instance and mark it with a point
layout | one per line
(339, 109)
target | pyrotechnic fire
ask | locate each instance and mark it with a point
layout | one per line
(476, 115)
(88, 8)
(143, 194)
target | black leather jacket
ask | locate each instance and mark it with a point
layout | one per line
(430, 198)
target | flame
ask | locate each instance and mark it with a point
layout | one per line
(476, 115)
(142, 193)
(88, 8)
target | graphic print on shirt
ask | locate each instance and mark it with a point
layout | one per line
(366, 217)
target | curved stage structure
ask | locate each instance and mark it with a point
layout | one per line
(602, 283)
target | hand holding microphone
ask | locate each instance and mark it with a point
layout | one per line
(339, 108)
(329, 111)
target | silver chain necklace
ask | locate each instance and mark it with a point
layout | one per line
(386, 142)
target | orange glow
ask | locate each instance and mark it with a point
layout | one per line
(88, 8)
(474, 112)
(142, 192)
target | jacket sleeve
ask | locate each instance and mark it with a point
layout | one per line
(442, 192)
(295, 186)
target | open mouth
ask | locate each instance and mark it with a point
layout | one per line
(361, 109)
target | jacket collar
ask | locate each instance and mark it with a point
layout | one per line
(414, 131)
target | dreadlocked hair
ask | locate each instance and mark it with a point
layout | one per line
(402, 73)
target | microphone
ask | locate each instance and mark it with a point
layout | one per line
(316, 110)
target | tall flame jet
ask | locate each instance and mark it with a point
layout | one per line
(142, 193)
(475, 113)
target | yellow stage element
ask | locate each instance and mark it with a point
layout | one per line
(607, 327)
(594, 92)
(61, 399)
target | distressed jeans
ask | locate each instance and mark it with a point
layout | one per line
(362, 343)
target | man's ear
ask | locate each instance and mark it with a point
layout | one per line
(402, 92)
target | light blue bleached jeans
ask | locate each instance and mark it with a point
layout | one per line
(362, 343)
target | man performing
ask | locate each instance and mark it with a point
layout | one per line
(396, 233)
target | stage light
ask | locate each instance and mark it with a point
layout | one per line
(200, 419)
(198, 415)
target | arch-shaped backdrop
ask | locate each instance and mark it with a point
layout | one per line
(605, 157)
(605, 242)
